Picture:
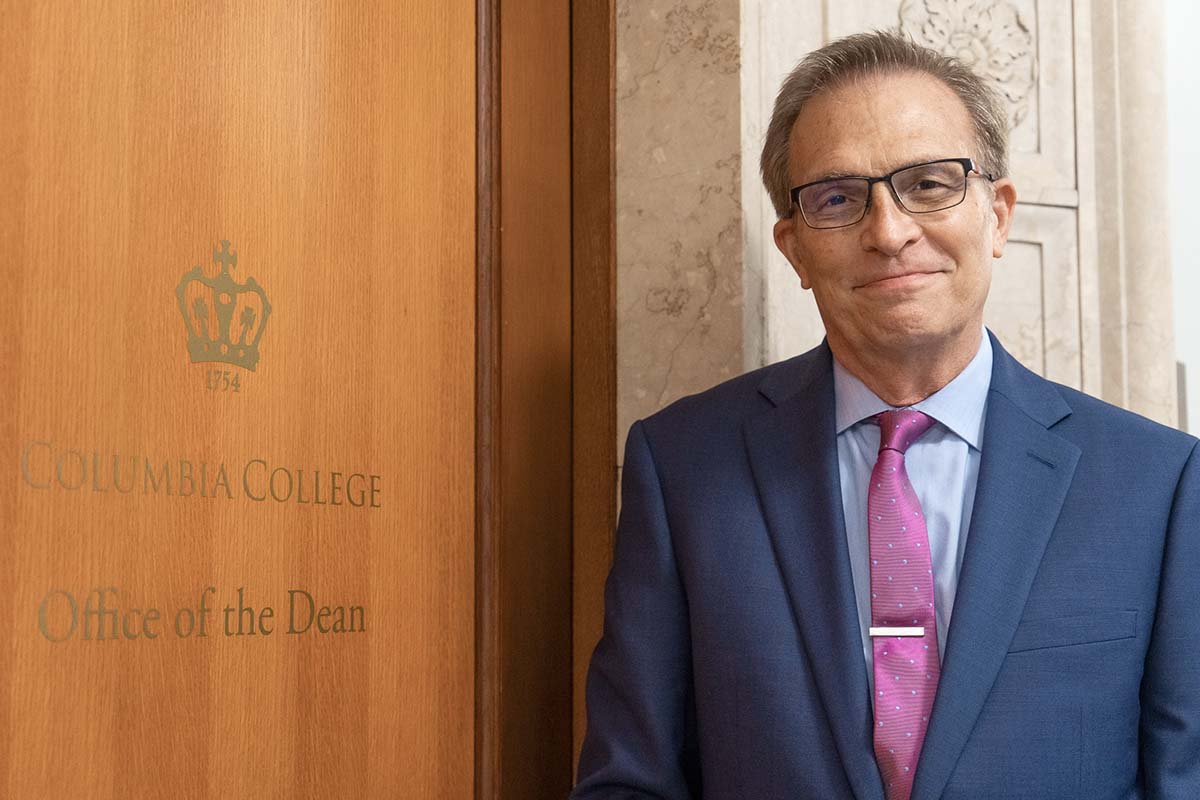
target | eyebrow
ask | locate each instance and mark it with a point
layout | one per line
(833, 176)
(836, 174)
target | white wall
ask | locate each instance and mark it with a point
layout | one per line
(1183, 114)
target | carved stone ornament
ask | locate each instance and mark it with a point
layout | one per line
(988, 36)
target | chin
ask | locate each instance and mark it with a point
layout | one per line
(915, 330)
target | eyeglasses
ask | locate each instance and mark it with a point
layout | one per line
(919, 189)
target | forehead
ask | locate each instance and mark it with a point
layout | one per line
(876, 123)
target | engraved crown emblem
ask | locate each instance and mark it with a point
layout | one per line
(225, 319)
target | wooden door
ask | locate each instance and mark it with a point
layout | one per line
(237, 310)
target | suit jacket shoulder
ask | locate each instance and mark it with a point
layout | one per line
(1098, 428)
(720, 411)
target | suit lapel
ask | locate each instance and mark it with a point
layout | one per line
(1024, 475)
(793, 454)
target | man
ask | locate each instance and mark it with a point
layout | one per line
(899, 565)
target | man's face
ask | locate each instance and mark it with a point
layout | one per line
(894, 281)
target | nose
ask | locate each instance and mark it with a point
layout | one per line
(887, 228)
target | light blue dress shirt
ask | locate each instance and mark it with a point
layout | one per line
(943, 466)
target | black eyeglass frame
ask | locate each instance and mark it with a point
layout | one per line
(968, 165)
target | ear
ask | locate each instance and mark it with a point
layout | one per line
(785, 240)
(1004, 200)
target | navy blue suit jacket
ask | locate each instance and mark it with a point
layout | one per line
(731, 664)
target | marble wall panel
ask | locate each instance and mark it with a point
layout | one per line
(780, 318)
(679, 217)
(1034, 302)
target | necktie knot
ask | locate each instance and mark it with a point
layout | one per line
(899, 429)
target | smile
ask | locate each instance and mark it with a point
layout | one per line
(898, 281)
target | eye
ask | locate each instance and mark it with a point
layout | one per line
(928, 184)
(834, 200)
(835, 195)
(929, 179)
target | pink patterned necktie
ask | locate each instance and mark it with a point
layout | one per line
(903, 629)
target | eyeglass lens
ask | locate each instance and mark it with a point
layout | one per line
(920, 189)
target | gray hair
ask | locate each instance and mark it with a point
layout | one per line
(878, 53)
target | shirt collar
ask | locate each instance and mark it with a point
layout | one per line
(959, 405)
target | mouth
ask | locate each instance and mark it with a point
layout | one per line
(901, 281)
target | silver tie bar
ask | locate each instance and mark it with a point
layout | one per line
(883, 631)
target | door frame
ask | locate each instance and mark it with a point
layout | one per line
(545, 382)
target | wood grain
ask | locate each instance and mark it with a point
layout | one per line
(594, 323)
(333, 144)
(488, 421)
(533, 544)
